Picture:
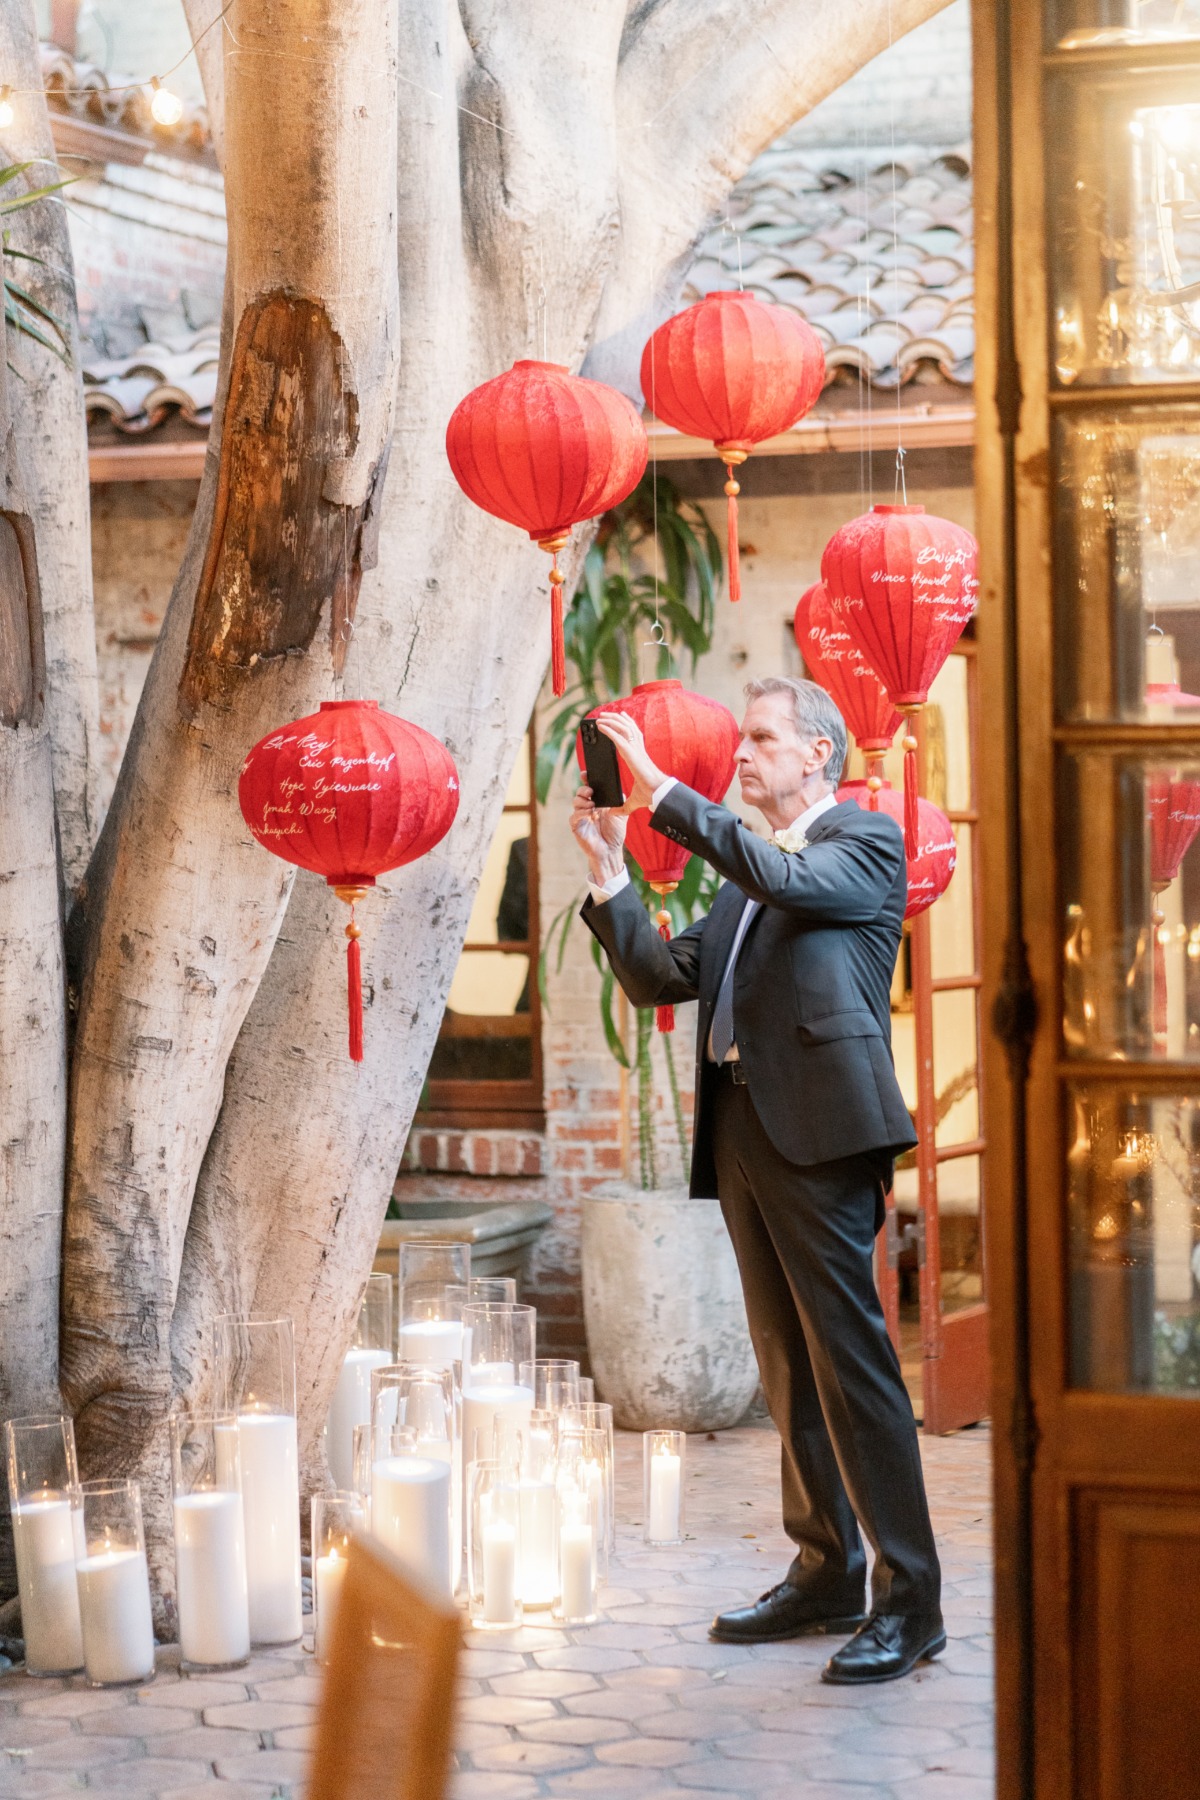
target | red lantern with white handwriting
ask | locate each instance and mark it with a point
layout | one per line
(904, 584)
(546, 449)
(692, 738)
(1173, 811)
(833, 658)
(930, 870)
(349, 792)
(735, 371)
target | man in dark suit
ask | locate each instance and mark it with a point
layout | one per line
(798, 1119)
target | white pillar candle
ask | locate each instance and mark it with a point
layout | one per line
(410, 1514)
(48, 1540)
(577, 1566)
(434, 1343)
(114, 1611)
(331, 1573)
(210, 1577)
(664, 1496)
(539, 1549)
(486, 1403)
(271, 1507)
(350, 1406)
(499, 1572)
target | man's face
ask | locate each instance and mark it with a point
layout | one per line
(772, 759)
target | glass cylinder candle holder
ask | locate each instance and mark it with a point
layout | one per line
(498, 1338)
(577, 1576)
(663, 1460)
(211, 1588)
(431, 1330)
(584, 1467)
(336, 1518)
(425, 1401)
(494, 1544)
(114, 1585)
(587, 1389)
(597, 1415)
(42, 1476)
(434, 1262)
(362, 1468)
(370, 1349)
(501, 1290)
(256, 1378)
(555, 1382)
(410, 1506)
(539, 1511)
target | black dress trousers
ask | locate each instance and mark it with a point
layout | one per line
(804, 1238)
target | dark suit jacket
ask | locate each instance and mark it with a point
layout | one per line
(812, 982)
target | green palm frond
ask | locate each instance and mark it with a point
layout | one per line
(24, 313)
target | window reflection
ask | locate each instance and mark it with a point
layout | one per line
(1134, 1196)
(1085, 24)
(1131, 883)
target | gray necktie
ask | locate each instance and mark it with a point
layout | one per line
(721, 1031)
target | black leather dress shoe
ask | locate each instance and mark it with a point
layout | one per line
(785, 1612)
(886, 1647)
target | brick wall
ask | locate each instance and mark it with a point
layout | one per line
(918, 92)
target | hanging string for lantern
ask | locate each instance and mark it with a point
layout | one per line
(544, 450)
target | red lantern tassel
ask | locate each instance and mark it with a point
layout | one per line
(354, 988)
(558, 649)
(911, 789)
(1159, 1020)
(732, 491)
(664, 1016)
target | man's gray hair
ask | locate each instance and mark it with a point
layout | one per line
(813, 714)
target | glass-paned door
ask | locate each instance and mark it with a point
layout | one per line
(1089, 451)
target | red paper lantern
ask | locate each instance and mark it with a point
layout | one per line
(544, 449)
(833, 658)
(349, 792)
(904, 584)
(735, 371)
(1173, 811)
(930, 870)
(692, 738)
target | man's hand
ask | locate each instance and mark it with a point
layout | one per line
(626, 734)
(600, 833)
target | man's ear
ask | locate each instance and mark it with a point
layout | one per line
(819, 753)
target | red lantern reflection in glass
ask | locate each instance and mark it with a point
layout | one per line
(833, 658)
(904, 583)
(692, 738)
(929, 872)
(349, 792)
(545, 449)
(1173, 810)
(735, 371)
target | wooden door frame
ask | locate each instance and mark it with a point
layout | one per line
(1069, 1464)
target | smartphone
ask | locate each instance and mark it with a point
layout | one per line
(600, 764)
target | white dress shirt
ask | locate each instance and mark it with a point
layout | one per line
(620, 880)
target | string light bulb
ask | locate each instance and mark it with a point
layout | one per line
(6, 108)
(166, 108)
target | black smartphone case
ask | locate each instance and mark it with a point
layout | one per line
(601, 766)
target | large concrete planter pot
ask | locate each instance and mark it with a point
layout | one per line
(666, 1324)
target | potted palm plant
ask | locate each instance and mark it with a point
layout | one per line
(663, 1306)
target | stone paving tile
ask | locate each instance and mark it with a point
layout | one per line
(640, 1706)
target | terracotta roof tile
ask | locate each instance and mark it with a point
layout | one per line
(132, 394)
(877, 255)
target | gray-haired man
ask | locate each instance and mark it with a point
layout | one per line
(798, 1118)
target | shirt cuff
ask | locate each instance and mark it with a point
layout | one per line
(612, 886)
(662, 790)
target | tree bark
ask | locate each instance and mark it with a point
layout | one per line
(181, 906)
(51, 443)
(452, 627)
(33, 1046)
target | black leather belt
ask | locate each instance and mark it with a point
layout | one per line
(735, 1072)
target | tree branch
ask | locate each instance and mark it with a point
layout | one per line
(705, 86)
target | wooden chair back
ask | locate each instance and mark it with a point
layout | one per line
(386, 1713)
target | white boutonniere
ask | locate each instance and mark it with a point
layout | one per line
(791, 839)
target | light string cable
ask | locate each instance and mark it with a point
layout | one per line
(134, 87)
(656, 643)
(901, 489)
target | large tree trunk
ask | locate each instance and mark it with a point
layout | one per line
(33, 1048)
(554, 192)
(182, 906)
(51, 443)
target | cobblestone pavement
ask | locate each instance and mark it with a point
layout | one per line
(636, 1706)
